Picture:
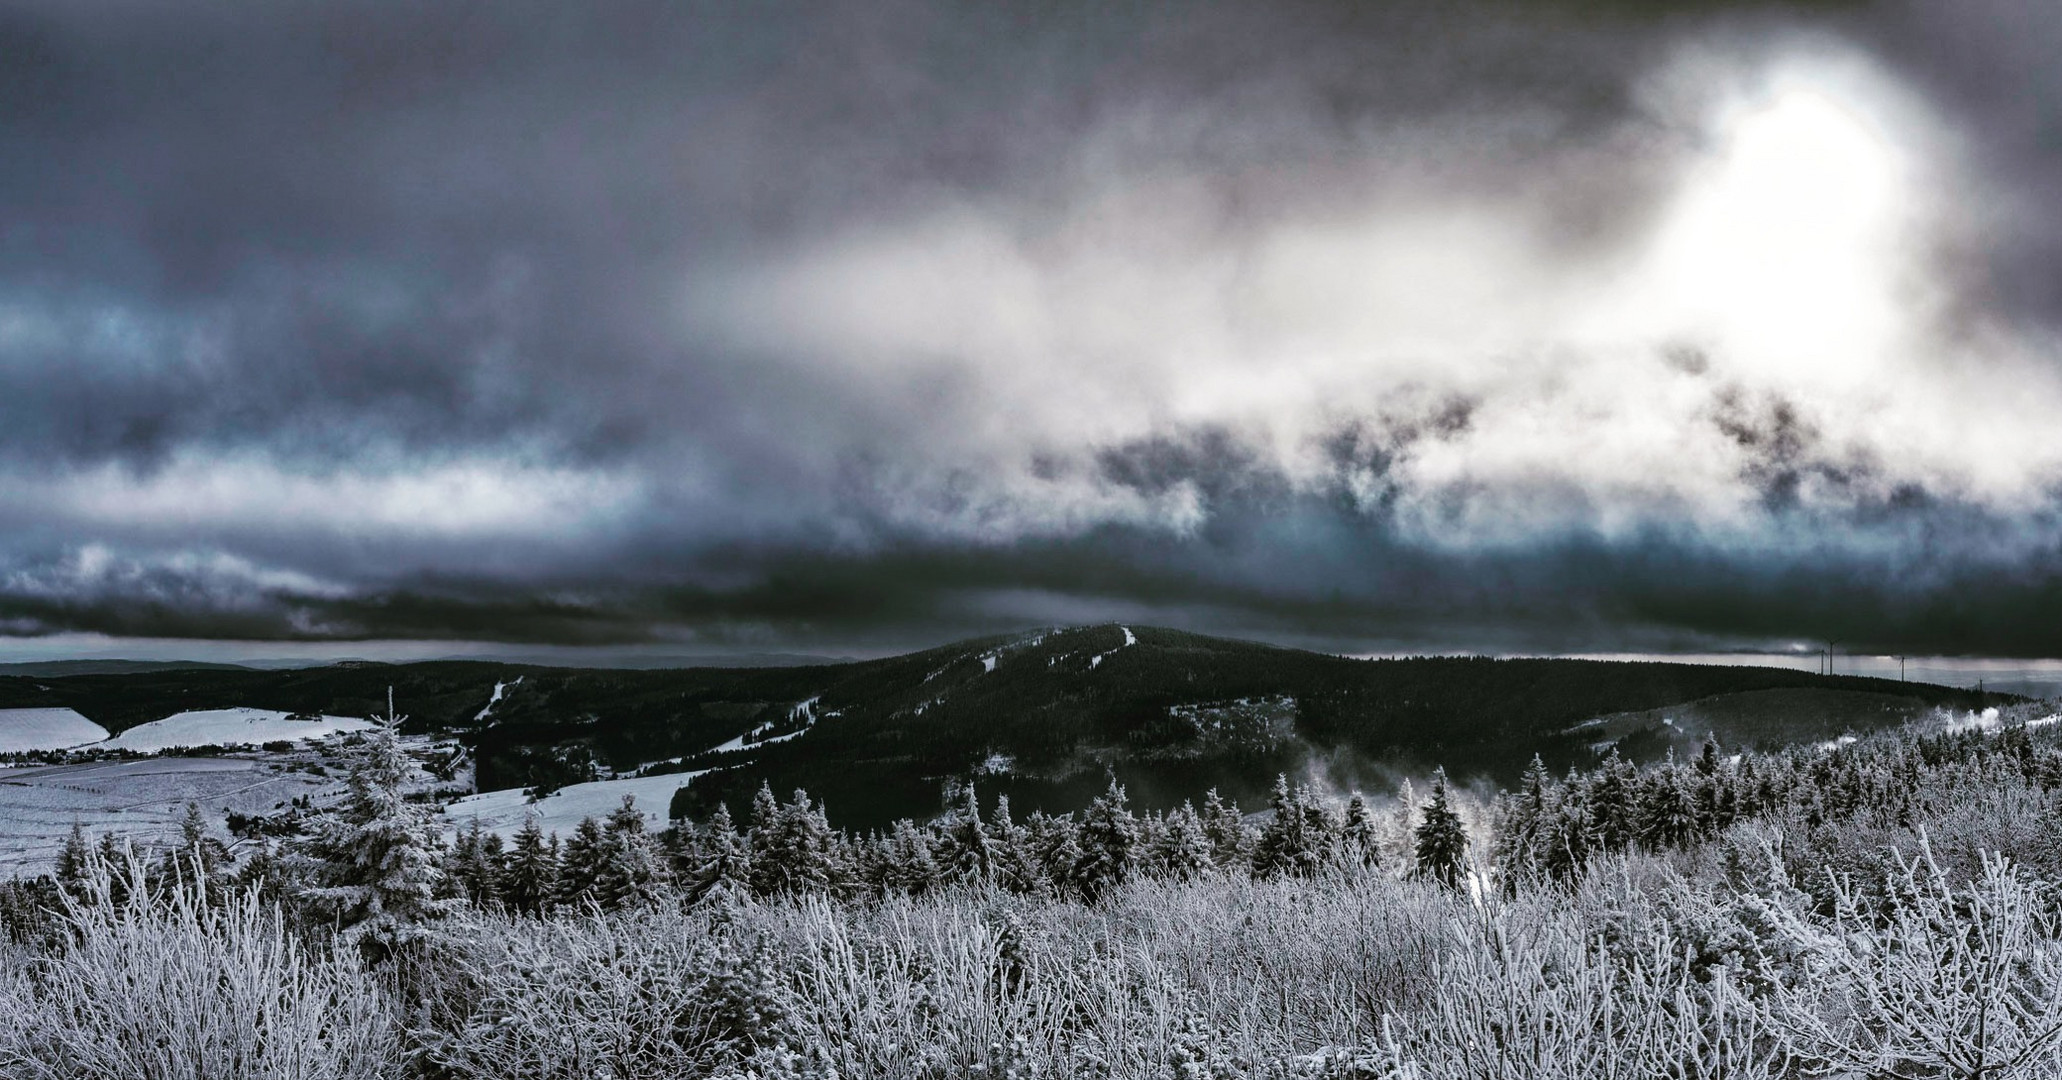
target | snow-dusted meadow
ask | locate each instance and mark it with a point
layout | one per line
(229, 727)
(503, 812)
(46, 729)
(142, 799)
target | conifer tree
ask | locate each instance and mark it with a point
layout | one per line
(1108, 843)
(725, 869)
(580, 863)
(629, 870)
(196, 857)
(967, 854)
(375, 858)
(472, 869)
(1667, 808)
(908, 865)
(793, 849)
(1180, 849)
(1230, 843)
(1525, 819)
(1288, 845)
(1016, 863)
(1613, 805)
(72, 860)
(1359, 846)
(1057, 844)
(532, 876)
(1441, 843)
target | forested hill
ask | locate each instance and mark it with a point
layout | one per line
(1045, 717)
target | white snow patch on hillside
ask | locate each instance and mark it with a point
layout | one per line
(988, 663)
(499, 689)
(504, 811)
(46, 729)
(1096, 661)
(206, 727)
(805, 711)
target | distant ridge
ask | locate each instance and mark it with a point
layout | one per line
(57, 669)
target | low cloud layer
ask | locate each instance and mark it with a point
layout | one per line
(838, 327)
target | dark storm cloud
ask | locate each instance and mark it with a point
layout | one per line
(879, 323)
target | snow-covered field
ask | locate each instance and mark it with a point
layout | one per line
(504, 811)
(46, 729)
(222, 727)
(142, 800)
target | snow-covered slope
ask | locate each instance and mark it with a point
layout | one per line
(223, 726)
(45, 729)
(503, 811)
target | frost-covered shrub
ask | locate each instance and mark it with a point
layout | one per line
(1529, 996)
(641, 994)
(176, 985)
(1952, 980)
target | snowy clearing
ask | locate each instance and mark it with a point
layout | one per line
(142, 800)
(1096, 661)
(504, 811)
(46, 729)
(222, 727)
(805, 712)
(499, 689)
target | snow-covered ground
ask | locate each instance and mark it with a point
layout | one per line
(500, 688)
(222, 727)
(805, 712)
(45, 729)
(142, 800)
(504, 811)
(1096, 661)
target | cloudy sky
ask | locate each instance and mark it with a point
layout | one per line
(844, 327)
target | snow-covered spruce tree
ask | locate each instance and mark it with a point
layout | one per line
(579, 864)
(1180, 849)
(72, 860)
(794, 850)
(966, 854)
(1667, 808)
(1564, 839)
(907, 865)
(1288, 845)
(1015, 858)
(1231, 844)
(1441, 843)
(1056, 841)
(1109, 844)
(630, 870)
(196, 857)
(1359, 845)
(1612, 797)
(725, 865)
(1522, 819)
(531, 877)
(1717, 804)
(374, 858)
(473, 871)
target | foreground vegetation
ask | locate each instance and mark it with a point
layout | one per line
(1885, 908)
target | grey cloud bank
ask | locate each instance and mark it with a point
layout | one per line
(841, 327)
